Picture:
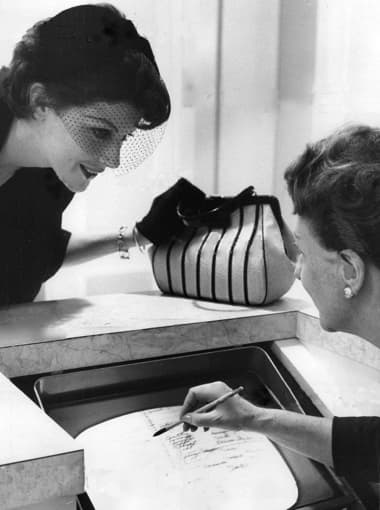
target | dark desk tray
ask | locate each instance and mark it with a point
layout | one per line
(80, 399)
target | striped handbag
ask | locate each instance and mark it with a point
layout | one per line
(232, 253)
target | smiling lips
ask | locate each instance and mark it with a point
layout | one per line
(90, 173)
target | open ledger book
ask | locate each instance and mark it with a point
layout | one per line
(127, 468)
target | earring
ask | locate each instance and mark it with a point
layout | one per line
(348, 293)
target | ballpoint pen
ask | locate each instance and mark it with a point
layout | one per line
(203, 409)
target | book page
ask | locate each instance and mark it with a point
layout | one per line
(128, 468)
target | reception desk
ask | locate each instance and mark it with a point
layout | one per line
(41, 464)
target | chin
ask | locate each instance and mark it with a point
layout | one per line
(74, 181)
(78, 189)
(330, 329)
(327, 324)
(76, 186)
(334, 324)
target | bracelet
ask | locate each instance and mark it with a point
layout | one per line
(136, 238)
(123, 251)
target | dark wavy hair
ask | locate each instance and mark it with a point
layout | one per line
(335, 185)
(84, 54)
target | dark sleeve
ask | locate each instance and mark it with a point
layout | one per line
(27, 259)
(57, 247)
(356, 447)
(33, 243)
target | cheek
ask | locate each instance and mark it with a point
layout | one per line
(62, 144)
(84, 141)
(65, 151)
(320, 282)
(304, 270)
(311, 276)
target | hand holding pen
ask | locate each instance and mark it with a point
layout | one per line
(217, 403)
(231, 414)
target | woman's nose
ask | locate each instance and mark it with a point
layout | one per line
(111, 156)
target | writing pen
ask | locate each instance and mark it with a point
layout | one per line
(203, 409)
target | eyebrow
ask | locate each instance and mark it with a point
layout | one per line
(106, 121)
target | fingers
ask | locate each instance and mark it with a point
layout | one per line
(200, 395)
(192, 428)
(187, 426)
(197, 397)
(195, 420)
(191, 401)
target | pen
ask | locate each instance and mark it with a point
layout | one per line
(203, 409)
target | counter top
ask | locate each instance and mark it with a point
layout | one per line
(337, 385)
(59, 335)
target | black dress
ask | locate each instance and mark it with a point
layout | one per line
(32, 241)
(356, 455)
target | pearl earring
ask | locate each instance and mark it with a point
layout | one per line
(348, 294)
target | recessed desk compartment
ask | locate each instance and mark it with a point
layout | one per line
(77, 400)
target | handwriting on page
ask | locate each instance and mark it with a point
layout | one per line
(233, 450)
(128, 468)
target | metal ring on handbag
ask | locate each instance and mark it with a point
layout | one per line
(219, 215)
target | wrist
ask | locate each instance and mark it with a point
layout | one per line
(247, 413)
(264, 420)
(255, 418)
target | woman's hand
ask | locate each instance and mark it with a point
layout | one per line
(233, 414)
(309, 435)
(162, 221)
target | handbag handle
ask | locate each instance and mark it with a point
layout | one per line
(215, 211)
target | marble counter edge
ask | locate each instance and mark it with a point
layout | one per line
(355, 348)
(62, 475)
(38, 461)
(108, 314)
(100, 349)
(337, 385)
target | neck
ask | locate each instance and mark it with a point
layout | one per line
(21, 149)
(365, 327)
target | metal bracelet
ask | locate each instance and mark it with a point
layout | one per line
(123, 251)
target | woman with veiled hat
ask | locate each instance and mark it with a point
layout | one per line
(83, 93)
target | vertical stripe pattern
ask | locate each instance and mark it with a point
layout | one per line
(242, 264)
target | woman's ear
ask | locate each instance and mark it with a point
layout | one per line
(38, 101)
(352, 269)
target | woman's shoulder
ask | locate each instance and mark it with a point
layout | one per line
(6, 118)
(6, 115)
(38, 189)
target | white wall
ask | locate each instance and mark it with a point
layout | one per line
(296, 68)
(248, 95)
(347, 82)
(329, 74)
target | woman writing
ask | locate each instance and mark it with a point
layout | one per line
(335, 188)
(83, 92)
